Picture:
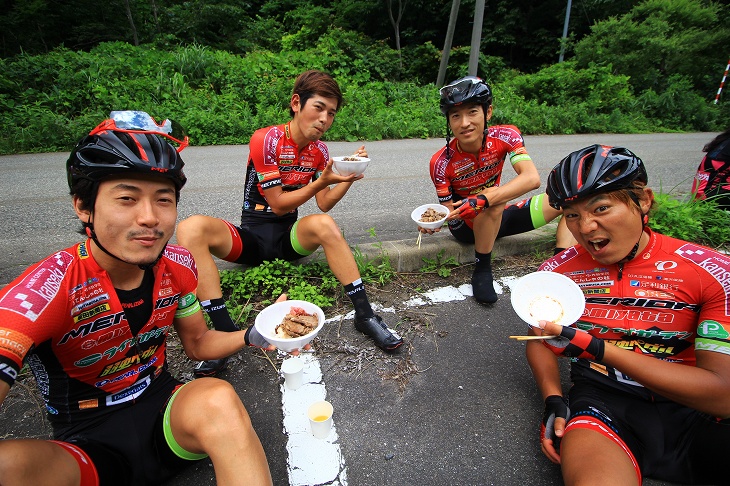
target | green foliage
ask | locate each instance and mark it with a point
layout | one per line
(658, 39)
(440, 265)
(699, 221)
(313, 282)
(650, 69)
(378, 271)
(563, 98)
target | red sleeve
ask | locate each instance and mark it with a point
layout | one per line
(263, 149)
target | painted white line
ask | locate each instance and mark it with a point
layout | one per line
(310, 460)
(320, 461)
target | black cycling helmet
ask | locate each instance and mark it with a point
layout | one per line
(117, 147)
(592, 170)
(469, 89)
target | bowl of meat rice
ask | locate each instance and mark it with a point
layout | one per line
(290, 324)
(430, 216)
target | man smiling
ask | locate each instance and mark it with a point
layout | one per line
(92, 320)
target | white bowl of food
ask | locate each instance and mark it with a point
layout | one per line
(350, 164)
(290, 324)
(430, 216)
(547, 296)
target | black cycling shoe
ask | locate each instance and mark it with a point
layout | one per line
(210, 368)
(482, 286)
(383, 336)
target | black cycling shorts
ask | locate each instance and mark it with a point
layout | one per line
(515, 220)
(669, 441)
(265, 241)
(128, 446)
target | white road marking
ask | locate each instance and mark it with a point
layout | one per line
(320, 461)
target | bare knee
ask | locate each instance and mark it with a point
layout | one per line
(20, 463)
(214, 410)
(326, 229)
(191, 229)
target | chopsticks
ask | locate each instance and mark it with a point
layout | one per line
(531, 338)
(418, 241)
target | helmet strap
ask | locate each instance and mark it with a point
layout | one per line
(635, 249)
(448, 139)
(485, 109)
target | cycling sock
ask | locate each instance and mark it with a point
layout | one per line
(483, 262)
(356, 292)
(218, 314)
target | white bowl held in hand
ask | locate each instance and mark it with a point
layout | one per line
(548, 296)
(350, 164)
(267, 320)
(417, 213)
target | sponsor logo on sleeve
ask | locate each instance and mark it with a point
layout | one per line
(715, 264)
(31, 296)
(712, 330)
(15, 343)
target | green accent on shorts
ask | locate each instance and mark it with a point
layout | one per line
(295, 242)
(170, 439)
(536, 213)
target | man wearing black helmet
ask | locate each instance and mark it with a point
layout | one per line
(650, 356)
(91, 322)
(467, 174)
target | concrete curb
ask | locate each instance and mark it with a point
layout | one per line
(406, 256)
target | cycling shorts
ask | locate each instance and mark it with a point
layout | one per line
(130, 446)
(665, 440)
(256, 243)
(516, 218)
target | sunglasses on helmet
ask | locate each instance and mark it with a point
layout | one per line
(460, 86)
(140, 122)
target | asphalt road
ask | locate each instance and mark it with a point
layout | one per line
(37, 217)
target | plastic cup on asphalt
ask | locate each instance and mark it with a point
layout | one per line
(293, 371)
(320, 418)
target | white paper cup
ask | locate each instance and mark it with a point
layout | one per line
(320, 418)
(293, 371)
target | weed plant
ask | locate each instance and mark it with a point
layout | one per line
(698, 221)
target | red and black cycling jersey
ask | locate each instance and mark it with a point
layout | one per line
(458, 174)
(275, 160)
(671, 300)
(712, 179)
(63, 317)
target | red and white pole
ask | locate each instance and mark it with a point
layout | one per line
(722, 83)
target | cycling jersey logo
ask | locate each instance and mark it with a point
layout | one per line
(88, 360)
(83, 251)
(92, 312)
(94, 326)
(127, 362)
(7, 370)
(665, 265)
(712, 329)
(32, 294)
(15, 342)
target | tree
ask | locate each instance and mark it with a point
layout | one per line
(395, 22)
(659, 39)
